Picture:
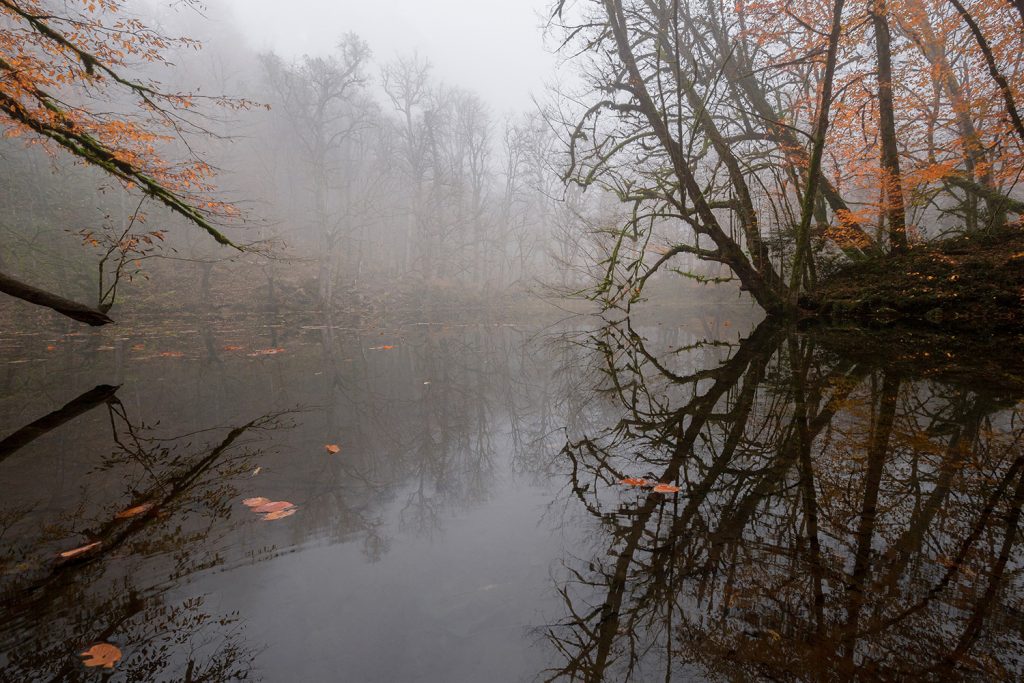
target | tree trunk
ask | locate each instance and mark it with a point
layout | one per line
(803, 235)
(71, 309)
(895, 211)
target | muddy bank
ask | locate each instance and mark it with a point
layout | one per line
(966, 283)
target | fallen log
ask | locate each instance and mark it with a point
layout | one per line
(39, 297)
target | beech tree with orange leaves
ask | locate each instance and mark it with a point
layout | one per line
(66, 82)
(781, 137)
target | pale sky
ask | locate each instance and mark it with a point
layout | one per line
(493, 47)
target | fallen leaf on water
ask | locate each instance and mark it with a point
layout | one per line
(138, 347)
(51, 347)
(273, 507)
(271, 516)
(386, 347)
(256, 471)
(101, 654)
(634, 481)
(171, 354)
(68, 554)
(232, 347)
(253, 502)
(665, 488)
(135, 511)
(266, 352)
(332, 448)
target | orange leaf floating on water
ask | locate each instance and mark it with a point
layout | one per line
(271, 516)
(231, 347)
(171, 354)
(253, 502)
(101, 654)
(266, 352)
(665, 488)
(332, 448)
(135, 511)
(68, 554)
(273, 507)
(51, 347)
(634, 481)
(386, 347)
(138, 347)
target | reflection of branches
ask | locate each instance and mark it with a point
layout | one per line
(84, 403)
(822, 532)
(97, 597)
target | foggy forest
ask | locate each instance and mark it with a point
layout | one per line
(596, 340)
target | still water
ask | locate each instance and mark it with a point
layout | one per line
(845, 511)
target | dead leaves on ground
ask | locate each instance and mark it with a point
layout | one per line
(269, 509)
(101, 654)
(653, 485)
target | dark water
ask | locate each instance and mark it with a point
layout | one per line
(846, 511)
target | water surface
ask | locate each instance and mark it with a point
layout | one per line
(841, 514)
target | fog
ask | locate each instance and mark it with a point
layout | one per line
(496, 49)
(360, 147)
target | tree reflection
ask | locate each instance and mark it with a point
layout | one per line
(839, 519)
(126, 590)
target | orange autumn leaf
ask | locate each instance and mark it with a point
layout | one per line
(232, 347)
(332, 448)
(279, 514)
(138, 347)
(273, 507)
(634, 481)
(386, 347)
(253, 502)
(665, 488)
(51, 347)
(135, 511)
(101, 654)
(81, 550)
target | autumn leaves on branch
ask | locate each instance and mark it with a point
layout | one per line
(60, 61)
(787, 133)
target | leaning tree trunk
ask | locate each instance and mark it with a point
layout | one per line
(39, 297)
(803, 235)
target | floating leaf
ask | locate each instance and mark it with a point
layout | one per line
(332, 448)
(135, 511)
(271, 516)
(51, 347)
(232, 347)
(273, 507)
(68, 554)
(138, 347)
(101, 654)
(266, 352)
(171, 354)
(386, 347)
(634, 481)
(665, 488)
(253, 502)
(256, 471)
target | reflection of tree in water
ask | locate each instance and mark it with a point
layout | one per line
(427, 424)
(121, 591)
(837, 521)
